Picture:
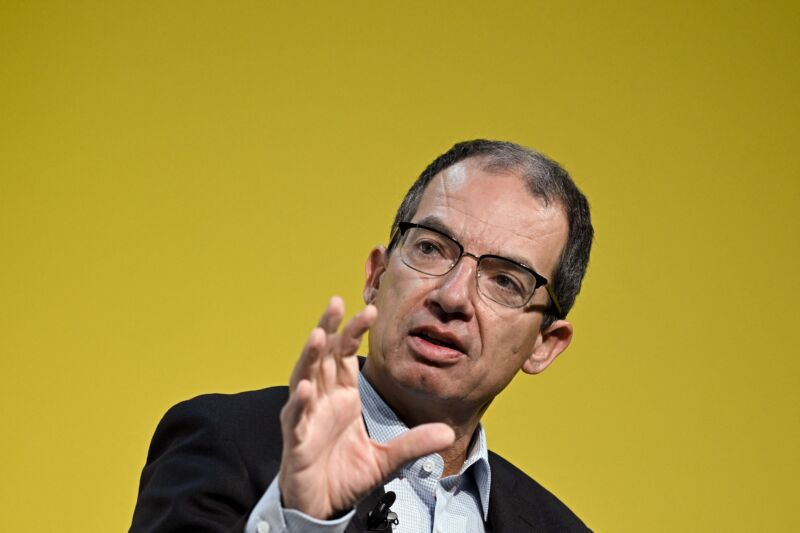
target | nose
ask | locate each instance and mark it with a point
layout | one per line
(452, 298)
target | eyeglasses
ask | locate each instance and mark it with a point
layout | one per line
(499, 279)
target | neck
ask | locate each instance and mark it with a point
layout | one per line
(456, 455)
(414, 408)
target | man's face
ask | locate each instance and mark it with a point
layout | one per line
(437, 339)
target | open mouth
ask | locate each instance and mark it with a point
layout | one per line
(444, 340)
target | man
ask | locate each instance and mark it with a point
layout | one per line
(485, 259)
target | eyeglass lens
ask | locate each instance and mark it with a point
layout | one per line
(499, 279)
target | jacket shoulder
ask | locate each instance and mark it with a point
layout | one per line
(210, 460)
(242, 417)
(231, 409)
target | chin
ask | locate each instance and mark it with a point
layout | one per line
(425, 380)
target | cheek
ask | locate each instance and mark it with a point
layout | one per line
(401, 290)
(522, 350)
(395, 301)
(513, 338)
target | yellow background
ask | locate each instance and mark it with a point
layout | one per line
(184, 184)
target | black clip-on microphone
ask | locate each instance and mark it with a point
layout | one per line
(380, 517)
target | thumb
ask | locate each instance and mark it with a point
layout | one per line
(418, 441)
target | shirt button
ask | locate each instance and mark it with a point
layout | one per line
(427, 466)
(263, 527)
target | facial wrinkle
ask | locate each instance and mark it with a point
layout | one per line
(547, 212)
(478, 226)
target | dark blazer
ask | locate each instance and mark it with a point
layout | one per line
(213, 457)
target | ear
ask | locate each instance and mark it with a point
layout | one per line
(549, 344)
(375, 267)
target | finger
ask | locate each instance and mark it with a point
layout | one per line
(315, 345)
(309, 357)
(347, 372)
(326, 376)
(348, 342)
(354, 330)
(421, 440)
(293, 411)
(333, 315)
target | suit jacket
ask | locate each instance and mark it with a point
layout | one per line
(213, 457)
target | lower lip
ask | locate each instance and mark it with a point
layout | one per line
(433, 353)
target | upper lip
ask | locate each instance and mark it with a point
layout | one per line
(440, 336)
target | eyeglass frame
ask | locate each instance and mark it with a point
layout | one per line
(541, 281)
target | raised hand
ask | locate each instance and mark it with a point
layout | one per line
(329, 462)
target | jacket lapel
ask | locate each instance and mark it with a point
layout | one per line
(508, 513)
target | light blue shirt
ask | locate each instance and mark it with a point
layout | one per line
(426, 502)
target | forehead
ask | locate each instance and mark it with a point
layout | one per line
(495, 213)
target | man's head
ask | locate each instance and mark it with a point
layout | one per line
(546, 180)
(449, 340)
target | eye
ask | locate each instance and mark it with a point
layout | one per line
(507, 287)
(507, 283)
(427, 248)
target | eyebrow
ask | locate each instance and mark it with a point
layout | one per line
(434, 222)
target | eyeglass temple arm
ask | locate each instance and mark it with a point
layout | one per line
(393, 237)
(552, 294)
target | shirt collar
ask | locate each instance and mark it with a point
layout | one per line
(383, 425)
